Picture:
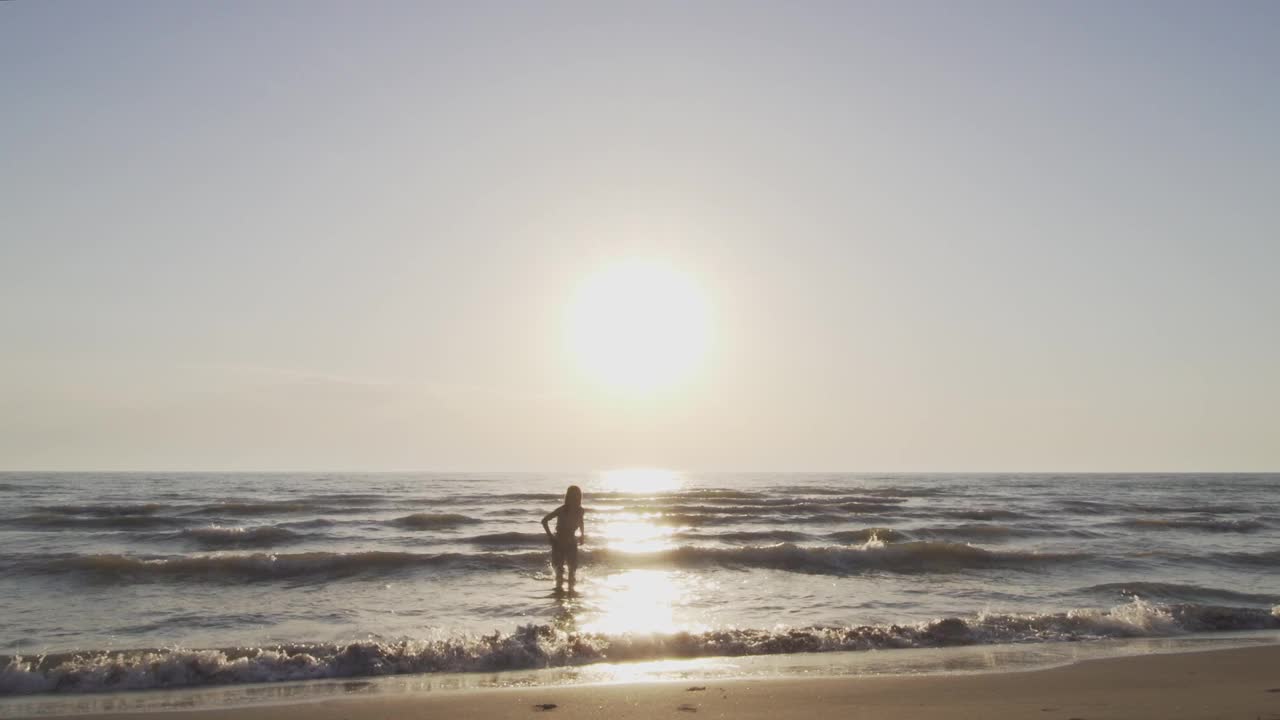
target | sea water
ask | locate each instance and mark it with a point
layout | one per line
(146, 581)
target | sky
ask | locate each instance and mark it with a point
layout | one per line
(922, 236)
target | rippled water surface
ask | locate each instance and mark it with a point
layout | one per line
(212, 579)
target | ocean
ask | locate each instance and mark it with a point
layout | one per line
(140, 581)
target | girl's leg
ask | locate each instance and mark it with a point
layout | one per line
(557, 560)
(573, 568)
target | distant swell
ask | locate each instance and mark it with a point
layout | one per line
(1179, 592)
(509, 539)
(1202, 524)
(1096, 507)
(57, 521)
(1265, 559)
(749, 536)
(984, 514)
(745, 504)
(539, 539)
(269, 566)
(900, 492)
(433, 521)
(869, 535)
(695, 520)
(990, 532)
(93, 510)
(770, 511)
(907, 557)
(216, 538)
(324, 505)
(538, 646)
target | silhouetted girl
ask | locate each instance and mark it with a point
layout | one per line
(564, 547)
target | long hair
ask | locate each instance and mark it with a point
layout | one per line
(573, 496)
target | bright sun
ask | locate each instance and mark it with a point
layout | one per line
(639, 326)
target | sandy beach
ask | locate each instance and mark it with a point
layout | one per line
(1241, 683)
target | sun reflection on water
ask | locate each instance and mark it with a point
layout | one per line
(631, 532)
(636, 601)
(641, 601)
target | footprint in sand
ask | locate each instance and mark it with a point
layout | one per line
(542, 707)
(688, 708)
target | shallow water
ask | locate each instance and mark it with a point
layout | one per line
(245, 578)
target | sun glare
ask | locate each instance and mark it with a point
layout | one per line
(642, 601)
(638, 326)
(640, 480)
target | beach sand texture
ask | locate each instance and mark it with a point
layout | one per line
(1241, 684)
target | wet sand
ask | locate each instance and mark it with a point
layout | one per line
(1240, 683)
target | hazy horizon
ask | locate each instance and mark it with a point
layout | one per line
(326, 237)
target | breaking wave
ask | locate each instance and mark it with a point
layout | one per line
(540, 646)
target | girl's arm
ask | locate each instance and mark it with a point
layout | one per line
(547, 528)
(582, 528)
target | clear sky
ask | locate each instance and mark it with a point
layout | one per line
(349, 235)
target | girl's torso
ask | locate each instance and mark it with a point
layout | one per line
(567, 521)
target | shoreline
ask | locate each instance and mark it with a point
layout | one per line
(1235, 682)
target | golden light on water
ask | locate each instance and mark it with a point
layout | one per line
(636, 531)
(638, 326)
